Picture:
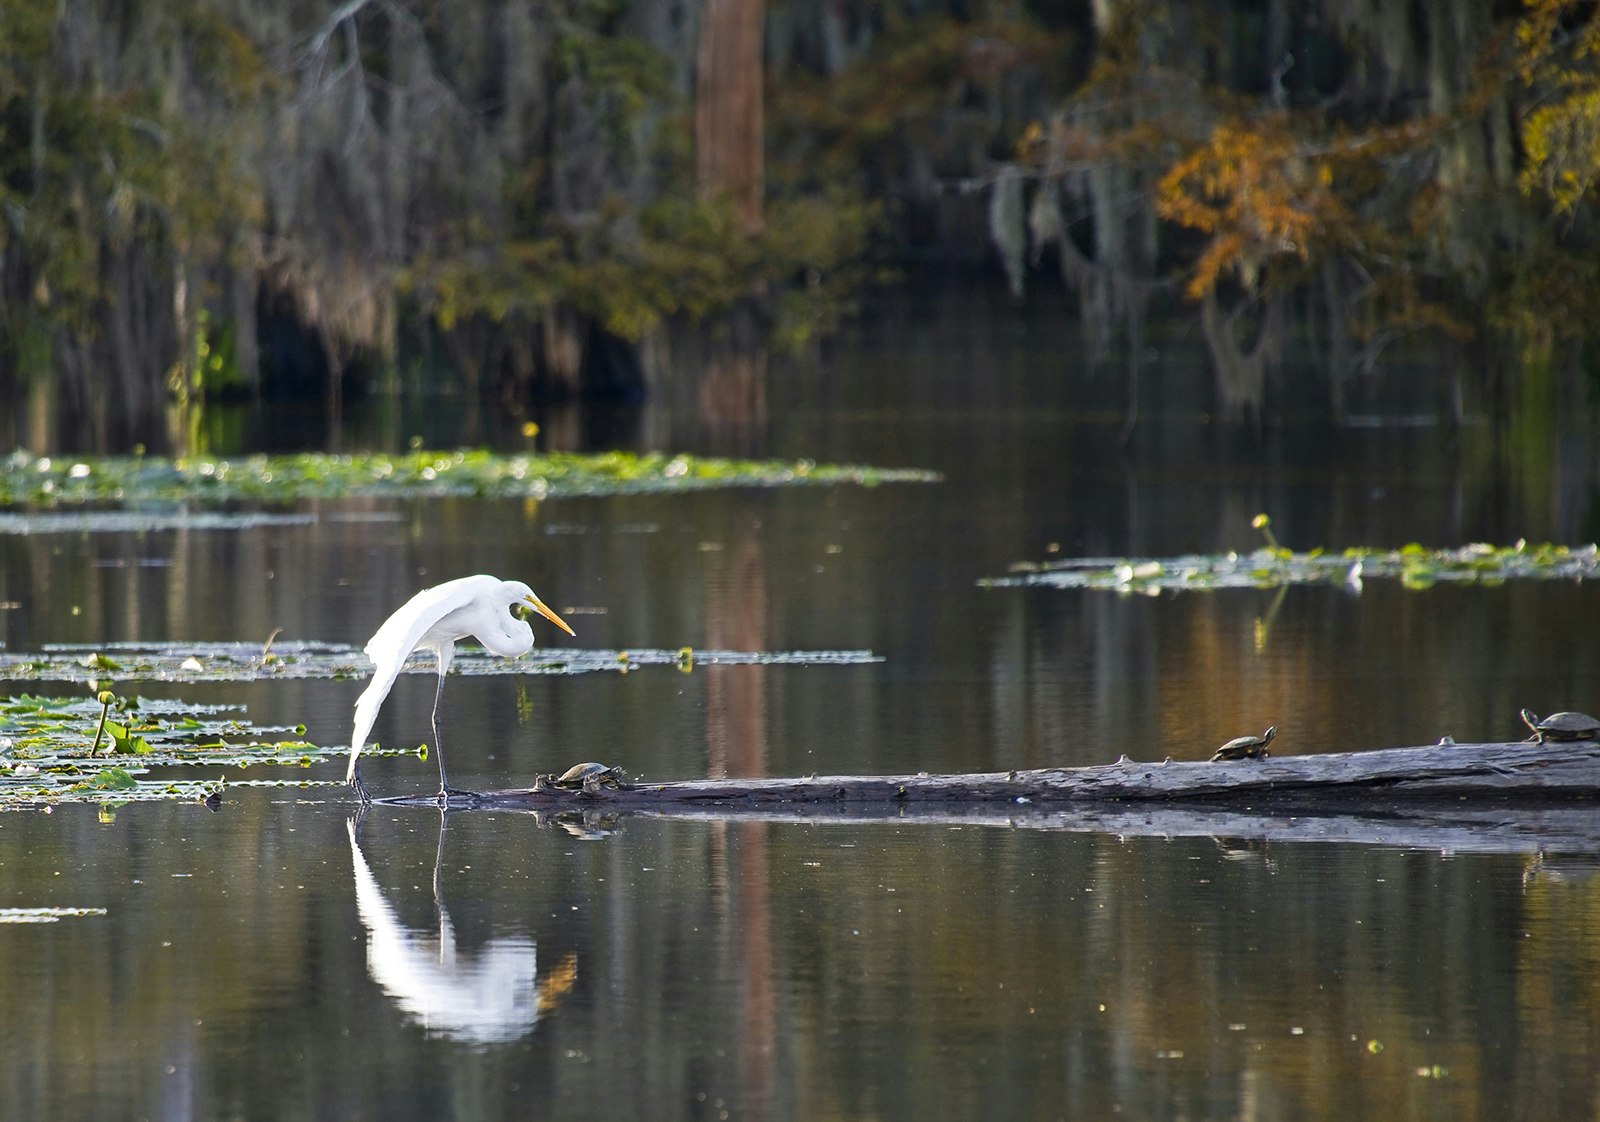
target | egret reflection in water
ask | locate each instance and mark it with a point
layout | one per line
(491, 995)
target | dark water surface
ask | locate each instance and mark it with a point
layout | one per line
(275, 960)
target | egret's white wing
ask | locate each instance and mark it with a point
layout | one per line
(401, 634)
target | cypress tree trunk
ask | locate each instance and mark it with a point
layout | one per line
(729, 114)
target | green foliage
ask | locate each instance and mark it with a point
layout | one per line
(90, 168)
(689, 257)
(933, 86)
(150, 147)
(623, 72)
(1558, 49)
(212, 369)
(1545, 297)
(633, 264)
(633, 259)
(25, 31)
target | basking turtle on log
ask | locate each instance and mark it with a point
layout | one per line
(1561, 726)
(589, 777)
(1246, 747)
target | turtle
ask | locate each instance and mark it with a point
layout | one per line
(1561, 726)
(589, 777)
(1246, 747)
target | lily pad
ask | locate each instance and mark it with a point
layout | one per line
(45, 915)
(245, 662)
(49, 753)
(43, 482)
(133, 522)
(1413, 565)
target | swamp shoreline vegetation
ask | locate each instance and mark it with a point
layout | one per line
(201, 201)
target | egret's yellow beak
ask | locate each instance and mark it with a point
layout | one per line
(538, 605)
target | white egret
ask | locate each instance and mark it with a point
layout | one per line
(485, 608)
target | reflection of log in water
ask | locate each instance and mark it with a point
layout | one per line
(1506, 796)
(1440, 826)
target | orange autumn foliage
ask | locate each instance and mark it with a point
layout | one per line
(1264, 192)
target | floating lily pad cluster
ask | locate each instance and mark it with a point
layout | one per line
(98, 749)
(50, 482)
(46, 915)
(80, 521)
(247, 662)
(1413, 565)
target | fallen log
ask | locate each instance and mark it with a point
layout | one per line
(1518, 798)
(1342, 781)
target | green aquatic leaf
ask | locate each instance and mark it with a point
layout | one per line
(111, 779)
(1419, 577)
(127, 743)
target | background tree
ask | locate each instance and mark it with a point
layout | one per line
(199, 197)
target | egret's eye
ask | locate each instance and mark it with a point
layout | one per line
(522, 611)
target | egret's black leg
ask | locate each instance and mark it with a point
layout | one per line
(445, 790)
(359, 787)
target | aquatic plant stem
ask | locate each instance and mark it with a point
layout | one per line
(1264, 524)
(105, 700)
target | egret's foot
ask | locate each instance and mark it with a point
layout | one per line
(360, 789)
(447, 793)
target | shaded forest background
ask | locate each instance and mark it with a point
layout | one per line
(204, 198)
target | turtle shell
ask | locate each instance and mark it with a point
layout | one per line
(577, 773)
(1567, 726)
(1246, 747)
